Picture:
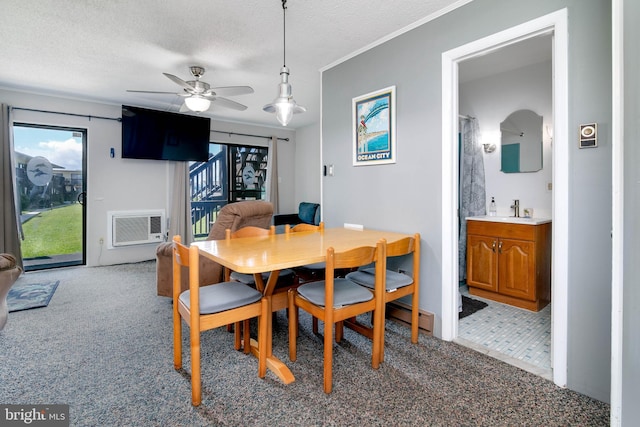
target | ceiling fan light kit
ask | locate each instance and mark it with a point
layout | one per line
(197, 103)
(284, 106)
(198, 95)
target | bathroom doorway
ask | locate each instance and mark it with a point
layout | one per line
(553, 26)
(493, 89)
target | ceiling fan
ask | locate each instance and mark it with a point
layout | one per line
(200, 95)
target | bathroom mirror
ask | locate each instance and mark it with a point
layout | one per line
(521, 142)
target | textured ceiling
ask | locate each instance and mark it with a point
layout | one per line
(96, 49)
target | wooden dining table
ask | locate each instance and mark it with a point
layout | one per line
(273, 253)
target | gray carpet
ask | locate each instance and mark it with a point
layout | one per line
(103, 346)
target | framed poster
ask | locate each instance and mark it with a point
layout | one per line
(374, 128)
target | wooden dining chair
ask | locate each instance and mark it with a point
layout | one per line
(310, 272)
(284, 278)
(335, 299)
(208, 307)
(397, 285)
(249, 279)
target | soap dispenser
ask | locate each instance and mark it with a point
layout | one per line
(492, 207)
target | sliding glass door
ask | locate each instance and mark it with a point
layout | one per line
(233, 173)
(50, 181)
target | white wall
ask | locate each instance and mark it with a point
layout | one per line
(631, 233)
(490, 100)
(115, 184)
(308, 165)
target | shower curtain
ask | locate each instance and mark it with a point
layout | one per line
(472, 186)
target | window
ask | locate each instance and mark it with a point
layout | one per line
(249, 172)
(232, 173)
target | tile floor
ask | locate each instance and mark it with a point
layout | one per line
(516, 336)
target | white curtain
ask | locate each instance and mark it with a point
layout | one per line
(272, 174)
(180, 215)
(472, 185)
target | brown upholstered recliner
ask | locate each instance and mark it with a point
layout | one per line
(233, 216)
(9, 273)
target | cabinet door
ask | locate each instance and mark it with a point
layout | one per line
(482, 263)
(517, 266)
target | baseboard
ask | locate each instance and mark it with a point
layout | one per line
(402, 312)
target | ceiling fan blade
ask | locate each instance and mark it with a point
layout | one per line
(232, 90)
(152, 91)
(227, 103)
(179, 81)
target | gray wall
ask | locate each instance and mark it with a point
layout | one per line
(406, 196)
(631, 272)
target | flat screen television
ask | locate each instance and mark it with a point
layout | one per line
(162, 135)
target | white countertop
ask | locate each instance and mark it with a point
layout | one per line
(509, 219)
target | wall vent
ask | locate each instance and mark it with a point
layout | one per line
(128, 228)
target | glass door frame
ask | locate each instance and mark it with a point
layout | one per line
(81, 198)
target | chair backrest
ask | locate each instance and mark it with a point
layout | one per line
(236, 215)
(359, 257)
(406, 246)
(189, 257)
(303, 227)
(250, 231)
(309, 213)
(354, 258)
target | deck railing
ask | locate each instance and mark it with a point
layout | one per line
(207, 182)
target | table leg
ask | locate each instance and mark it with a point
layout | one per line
(274, 364)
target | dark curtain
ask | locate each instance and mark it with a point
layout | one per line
(10, 240)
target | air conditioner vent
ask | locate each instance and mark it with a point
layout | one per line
(136, 227)
(155, 224)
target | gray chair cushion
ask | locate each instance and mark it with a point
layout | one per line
(367, 276)
(345, 292)
(248, 279)
(223, 296)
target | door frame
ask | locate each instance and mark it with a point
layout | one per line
(85, 136)
(555, 23)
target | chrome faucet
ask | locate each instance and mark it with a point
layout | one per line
(516, 208)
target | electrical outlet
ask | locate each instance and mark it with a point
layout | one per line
(101, 240)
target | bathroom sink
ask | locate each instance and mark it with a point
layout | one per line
(510, 219)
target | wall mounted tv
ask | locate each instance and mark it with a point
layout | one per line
(161, 135)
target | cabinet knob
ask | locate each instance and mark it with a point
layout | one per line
(493, 246)
(500, 247)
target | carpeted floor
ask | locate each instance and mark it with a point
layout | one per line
(104, 347)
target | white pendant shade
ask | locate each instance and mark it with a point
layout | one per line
(284, 105)
(197, 103)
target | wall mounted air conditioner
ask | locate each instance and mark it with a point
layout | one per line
(126, 228)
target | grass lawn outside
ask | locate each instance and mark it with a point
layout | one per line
(53, 232)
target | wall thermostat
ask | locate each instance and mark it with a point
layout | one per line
(589, 135)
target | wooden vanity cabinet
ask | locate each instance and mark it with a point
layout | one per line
(510, 263)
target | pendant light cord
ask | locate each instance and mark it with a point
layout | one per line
(284, 33)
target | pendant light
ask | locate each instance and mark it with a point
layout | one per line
(284, 105)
